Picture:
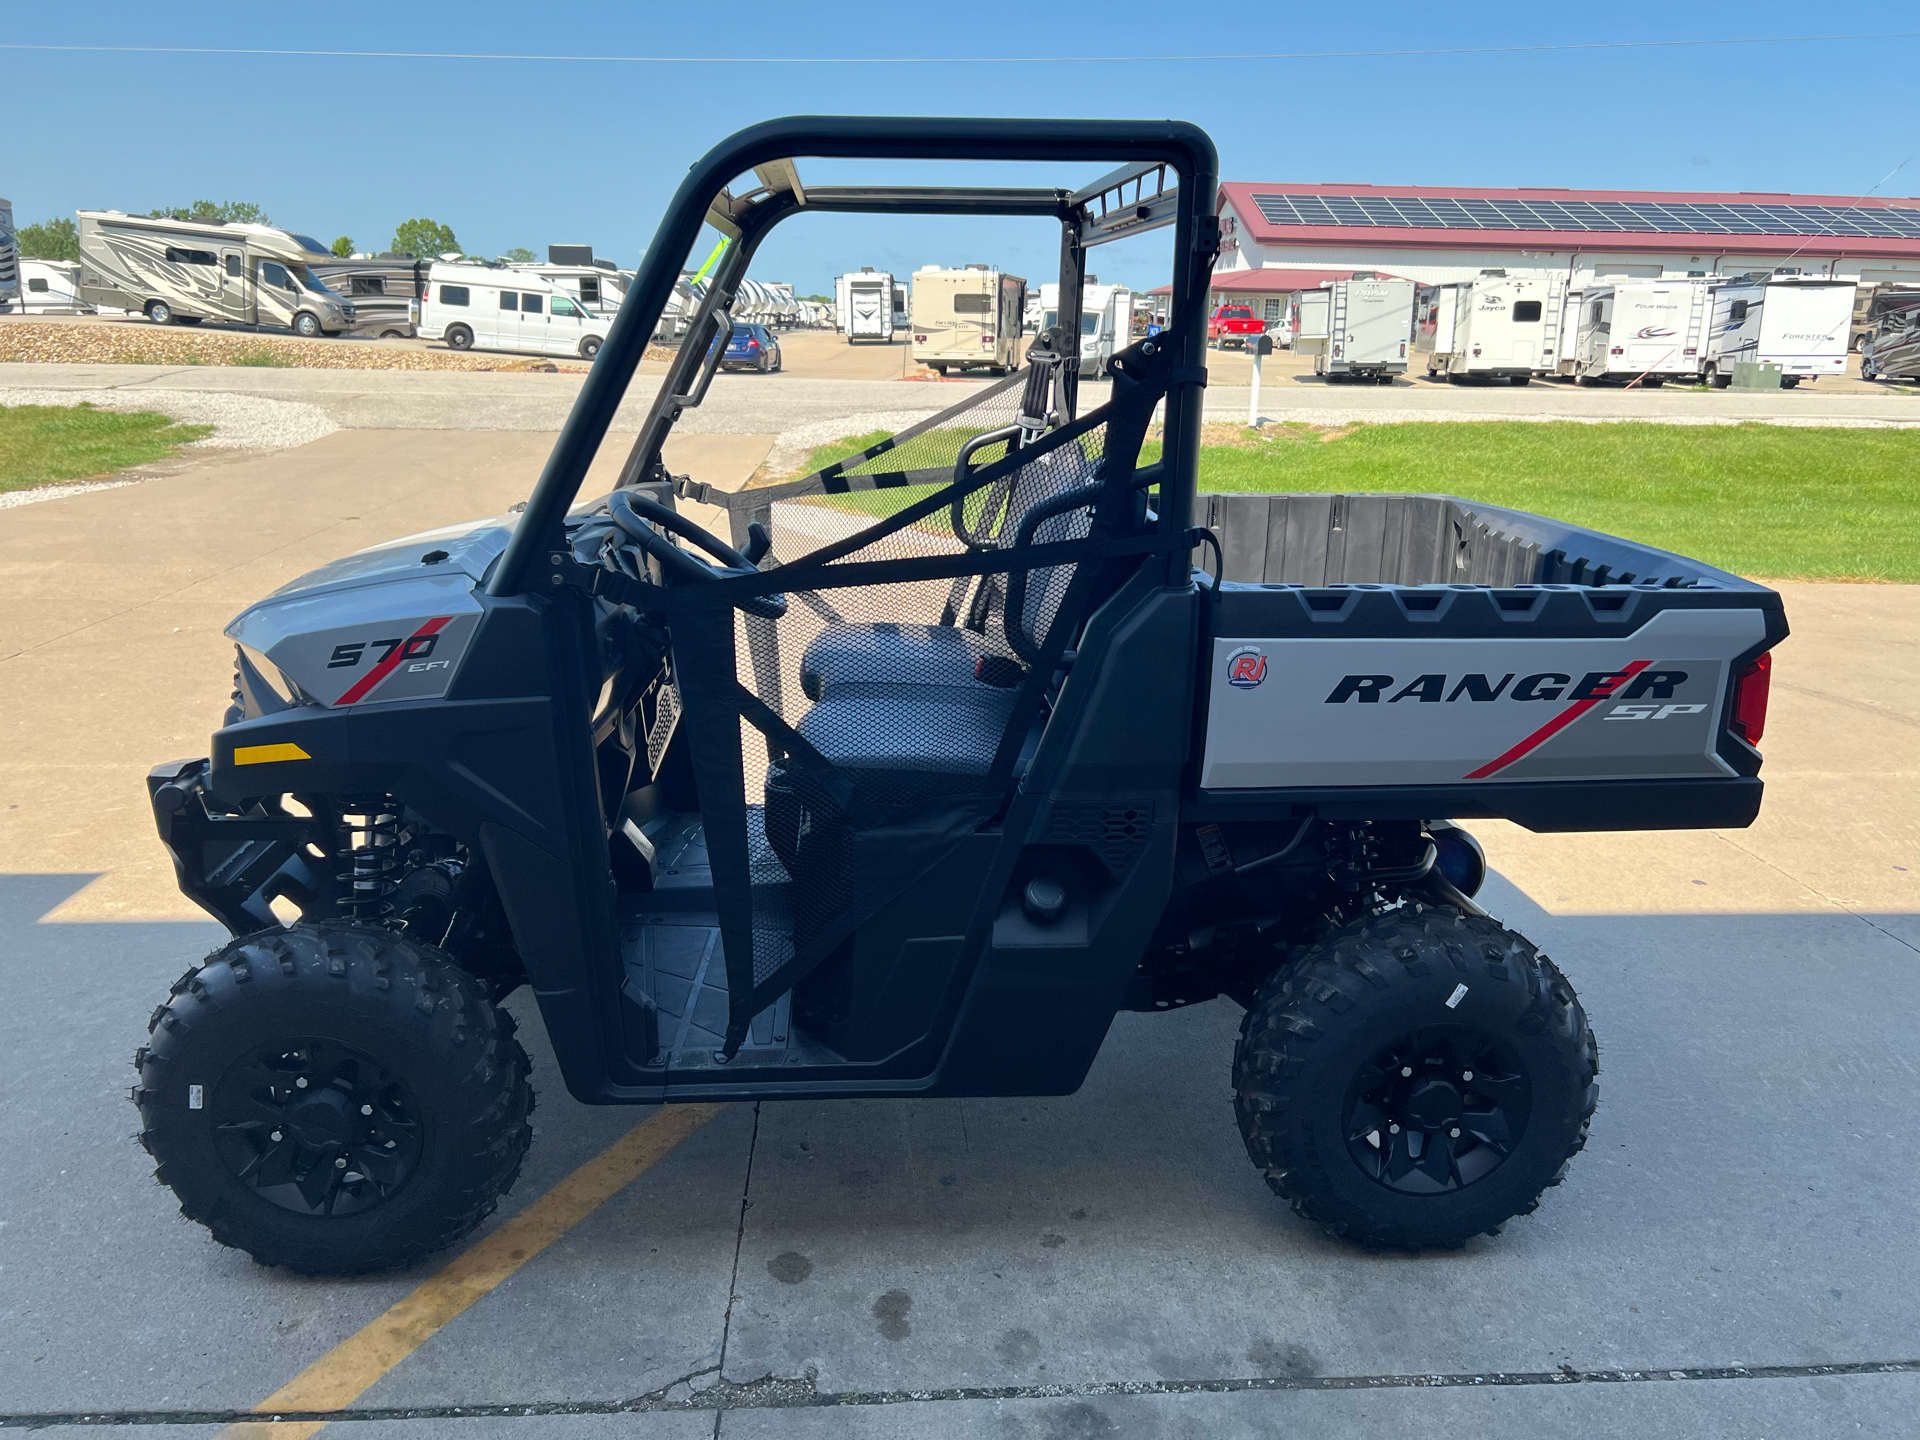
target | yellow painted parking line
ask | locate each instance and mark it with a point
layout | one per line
(349, 1370)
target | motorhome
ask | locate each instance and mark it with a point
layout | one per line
(1644, 331)
(967, 319)
(863, 305)
(1494, 327)
(48, 287)
(9, 257)
(1306, 327)
(186, 271)
(1363, 327)
(385, 290)
(1796, 322)
(600, 285)
(1892, 348)
(489, 307)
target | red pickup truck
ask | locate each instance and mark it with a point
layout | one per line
(1232, 325)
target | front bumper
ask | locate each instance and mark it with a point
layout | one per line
(234, 866)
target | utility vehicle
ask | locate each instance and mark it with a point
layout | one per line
(917, 770)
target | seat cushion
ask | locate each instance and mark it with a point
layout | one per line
(888, 653)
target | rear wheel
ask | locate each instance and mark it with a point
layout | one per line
(1415, 1079)
(1716, 379)
(159, 312)
(459, 337)
(333, 1098)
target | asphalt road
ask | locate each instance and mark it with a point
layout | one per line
(1732, 1256)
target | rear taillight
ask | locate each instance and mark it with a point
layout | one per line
(1750, 689)
(1616, 350)
(753, 344)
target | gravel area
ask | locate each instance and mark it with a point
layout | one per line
(240, 422)
(53, 341)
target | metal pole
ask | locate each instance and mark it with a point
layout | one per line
(1253, 397)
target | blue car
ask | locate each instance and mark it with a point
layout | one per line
(752, 347)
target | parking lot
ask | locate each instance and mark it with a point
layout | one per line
(1731, 1256)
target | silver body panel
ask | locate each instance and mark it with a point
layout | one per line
(1274, 721)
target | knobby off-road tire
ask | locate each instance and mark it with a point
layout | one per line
(290, 1052)
(1322, 1062)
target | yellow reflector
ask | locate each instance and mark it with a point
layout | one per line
(262, 754)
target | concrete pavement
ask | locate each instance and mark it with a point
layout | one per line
(1103, 1264)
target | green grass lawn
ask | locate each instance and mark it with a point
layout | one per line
(1770, 501)
(44, 443)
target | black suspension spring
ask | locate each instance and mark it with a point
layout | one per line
(1352, 858)
(372, 833)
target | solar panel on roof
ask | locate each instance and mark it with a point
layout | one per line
(1657, 217)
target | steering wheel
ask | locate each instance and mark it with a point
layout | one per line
(632, 513)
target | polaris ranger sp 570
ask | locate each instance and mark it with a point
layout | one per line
(931, 763)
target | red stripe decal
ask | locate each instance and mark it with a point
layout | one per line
(1554, 726)
(386, 667)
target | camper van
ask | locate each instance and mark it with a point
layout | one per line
(1892, 348)
(1652, 331)
(186, 271)
(967, 319)
(863, 305)
(1796, 322)
(1361, 328)
(1106, 318)
(384, 289)
(489, 307)
(1496, 326)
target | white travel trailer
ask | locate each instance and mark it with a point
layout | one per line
(1796, 322)
(863, 305)
(186, 271)
(967, 319)
(1493, 327)
(1647, 330)
(1360, 329)
(486, 307)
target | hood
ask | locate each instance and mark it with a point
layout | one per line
(381, 625)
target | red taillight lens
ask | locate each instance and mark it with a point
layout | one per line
(753, 344)
(1750, 689)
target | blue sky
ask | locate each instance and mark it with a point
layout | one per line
(526, 153)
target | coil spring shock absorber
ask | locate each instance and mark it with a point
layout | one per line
(1351, 861)
(372, 829)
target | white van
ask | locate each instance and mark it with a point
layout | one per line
(483, 307)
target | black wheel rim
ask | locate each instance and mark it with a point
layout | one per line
(1437, 1110)
(316, 1127)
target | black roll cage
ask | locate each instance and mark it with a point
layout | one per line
(1168, 174)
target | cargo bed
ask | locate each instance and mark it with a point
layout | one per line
(1429, 656)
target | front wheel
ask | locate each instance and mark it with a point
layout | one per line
(589, 347)
(1415, 1079)
(306, 325)
(333, 1098)
(459, 337)
(159, 312)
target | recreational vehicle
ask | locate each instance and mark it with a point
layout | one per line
(1892, 348)
(1364, 329)
(9, 257)
(1104, 311)
(48, 287)
(1496, 326)
(1306, 327)
(967, 319)
(600, 285)
(1650, 331)
(487, 307)
(385, 290)
(863, 305)
(186, 271)
(1796, 322)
